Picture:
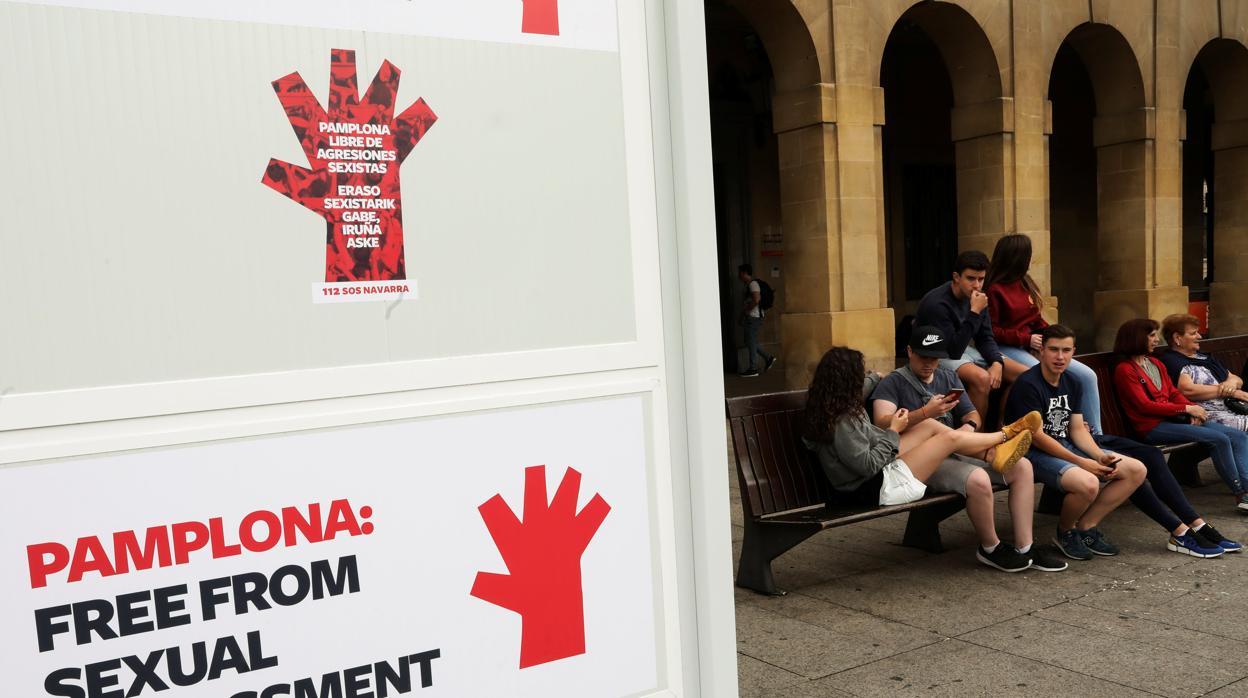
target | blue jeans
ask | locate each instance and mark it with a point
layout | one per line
(752, 327)
(1227, 446)
(1085, 376)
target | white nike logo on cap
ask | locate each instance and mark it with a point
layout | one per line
(931, 339)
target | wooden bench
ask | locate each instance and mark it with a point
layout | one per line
(785, 497)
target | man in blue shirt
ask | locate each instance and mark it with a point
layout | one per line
(1064, 454)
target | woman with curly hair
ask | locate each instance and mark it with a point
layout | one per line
(856, 455)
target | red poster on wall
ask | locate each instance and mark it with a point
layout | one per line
(354, 150)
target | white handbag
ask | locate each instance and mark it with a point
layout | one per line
(900, 486)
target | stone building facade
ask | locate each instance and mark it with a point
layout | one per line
(860, 144)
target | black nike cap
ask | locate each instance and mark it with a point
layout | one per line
(929, 342)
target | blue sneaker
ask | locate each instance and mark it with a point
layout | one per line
(1212, 535)
(1071, 545)
(1095, 542)
(1188, 545)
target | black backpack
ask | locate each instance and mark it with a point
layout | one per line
(766, 295)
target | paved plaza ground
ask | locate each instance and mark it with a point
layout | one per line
(865, 616)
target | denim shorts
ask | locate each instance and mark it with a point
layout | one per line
(1048, 470)
(970, 356)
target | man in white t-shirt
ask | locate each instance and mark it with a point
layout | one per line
(754, 313)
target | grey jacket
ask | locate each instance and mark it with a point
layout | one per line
(858, 450)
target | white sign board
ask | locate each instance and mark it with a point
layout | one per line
(435, 557)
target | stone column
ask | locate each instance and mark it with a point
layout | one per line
(1032, 124)
(984, 156)
(1128, 282)
(1228, 294)
(832, 212)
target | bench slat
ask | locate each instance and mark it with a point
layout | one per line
(764, 464)
(789, 470)
(741, 438)
(809, 476)
(834, 516)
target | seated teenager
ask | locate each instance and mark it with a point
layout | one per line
(877, 466)
(1199, 376)
(931, 392)
(1068, 457)
(1162, 415)
(1014, 305)
(958, 310)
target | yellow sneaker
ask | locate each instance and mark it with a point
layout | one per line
(1030, 422)
(1009, 452)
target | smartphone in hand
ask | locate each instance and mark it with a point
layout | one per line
(954, 394)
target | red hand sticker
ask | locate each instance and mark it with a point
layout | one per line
(354, 151)
(540, 17)
(543, 556)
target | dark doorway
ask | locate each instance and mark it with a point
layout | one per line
(746, 171)
(1198, 185)
(920, 193)
(1073, 191)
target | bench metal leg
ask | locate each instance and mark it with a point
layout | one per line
(1050, 500)
(760, 546)
(923, 525)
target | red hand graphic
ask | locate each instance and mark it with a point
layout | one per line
(540, 17)
(543, 556)
(354, 151)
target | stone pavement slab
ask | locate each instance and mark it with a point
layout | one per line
(1140, 663)
(833, 638)
(754, 677)
(956, 668)
(1170, 637)
(953, 593)
(1239, 689)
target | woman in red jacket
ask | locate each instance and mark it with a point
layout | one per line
(1162, 415)
(1014, 305)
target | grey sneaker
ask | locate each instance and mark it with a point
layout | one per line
(1071, 545)
(1095, 541)
(1242, 504)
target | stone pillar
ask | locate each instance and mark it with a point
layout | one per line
(1228, 294)
(984, 156)
(832, 213)
(1128, 282)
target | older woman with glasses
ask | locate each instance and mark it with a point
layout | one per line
(1199, 376)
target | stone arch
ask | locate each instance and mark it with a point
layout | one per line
(1219, 137)
(947, 145)
(970, 60)
(786, 36)
(1115, 136)
(1112, 66)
